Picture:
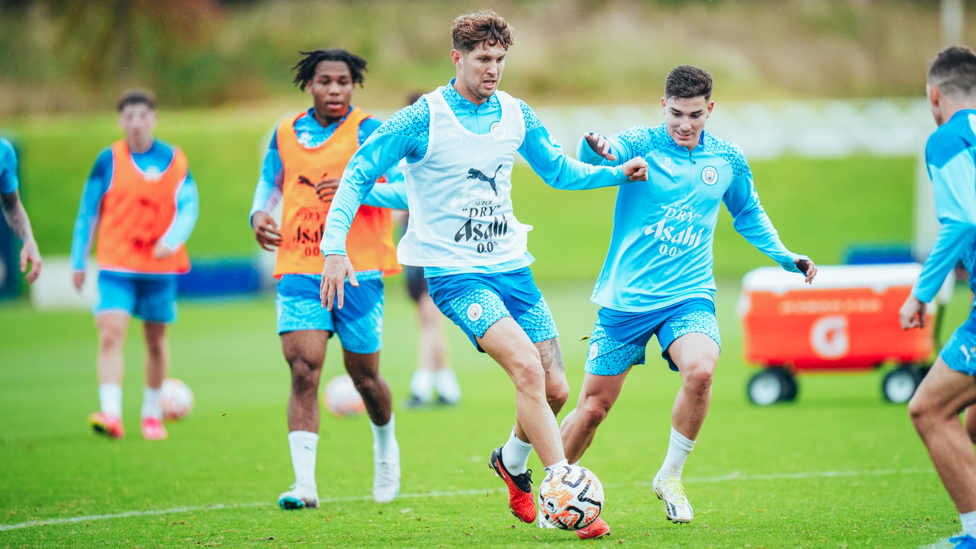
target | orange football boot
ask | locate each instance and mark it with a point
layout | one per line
(520, 497)
(597, 529)
(107, 424)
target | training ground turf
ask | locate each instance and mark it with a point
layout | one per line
(839, 468)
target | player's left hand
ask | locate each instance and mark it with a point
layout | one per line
(912, 313)
(337, 268)
(807, 267)
(326, 188)
(30, 254)
(600, 145)
(636, 169)
(162, 251)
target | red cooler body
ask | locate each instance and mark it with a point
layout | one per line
(846, 320)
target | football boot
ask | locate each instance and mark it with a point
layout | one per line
(963, 542)
(672, 492)
(386, 475)
(107, 424)
(520, 497)
(152, 429)
(299, 497)
(597, 529)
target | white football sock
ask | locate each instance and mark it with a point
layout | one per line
(559, 463)
(447, 385)
(303, 445)
(968, 521)
(678, 450)
(422, 384)
(384, 439)
(150, 403)
(515, 455)
(110, 398)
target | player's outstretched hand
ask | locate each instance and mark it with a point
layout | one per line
(912, 313)
(337, 268)
(266, 231)
(30, 254)
(79, 279)
(636, 169)
(600, 145)
(807, 267)
(326, 188)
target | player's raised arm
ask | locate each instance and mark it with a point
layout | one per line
(559, 171)
(382, 151)
(750, 220)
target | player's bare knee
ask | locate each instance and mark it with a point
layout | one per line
(529, 376)
(365, 382)
(698, 378)
(593, 412)
(110, 338)
(557, 395)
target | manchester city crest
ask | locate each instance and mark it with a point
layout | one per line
(709, 175)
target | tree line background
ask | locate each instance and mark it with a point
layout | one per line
(77, 55)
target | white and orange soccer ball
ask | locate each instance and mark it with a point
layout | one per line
(176, 399)
(341, 397)
(570, 497)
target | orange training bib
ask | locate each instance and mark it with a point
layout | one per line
(370, 241)
(136, 213)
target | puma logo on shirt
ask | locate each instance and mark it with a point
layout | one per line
(476, 174)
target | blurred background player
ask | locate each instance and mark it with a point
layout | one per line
(949, 387)
(657, 278)
(302, 168)
(15, 214)
(459, 143)
(433, 366)
(142, 201)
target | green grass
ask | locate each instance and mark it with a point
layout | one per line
(820, 207)
(233, 449)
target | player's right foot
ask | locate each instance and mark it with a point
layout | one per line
(107, 424)
(596, 530)
(519, 489)
(386, 476)
(299, 497)
(676, 505)
(963, 542)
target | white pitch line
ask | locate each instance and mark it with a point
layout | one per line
(453, 493)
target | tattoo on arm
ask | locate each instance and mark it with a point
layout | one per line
(551, 355)
(16, 216)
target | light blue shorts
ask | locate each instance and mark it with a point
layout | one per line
(475, 301)
(959, 353)
(620, 338)
(149, 297)
(359, 322)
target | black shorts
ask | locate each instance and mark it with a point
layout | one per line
(416, 283)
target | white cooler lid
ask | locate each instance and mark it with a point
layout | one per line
(877, 277)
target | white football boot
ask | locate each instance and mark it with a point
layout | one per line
(386, 475)
(672, 492)
(299, 497)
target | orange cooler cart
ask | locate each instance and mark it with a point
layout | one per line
(847, 320)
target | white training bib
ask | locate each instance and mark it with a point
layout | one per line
(460, 193)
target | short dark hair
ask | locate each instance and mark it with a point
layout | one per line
(136, 97)
(954, 71)
(483, 26)
(306, 67)
(687, 82)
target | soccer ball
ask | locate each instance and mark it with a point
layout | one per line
(176, 399)
(570, 497)
(341, 397)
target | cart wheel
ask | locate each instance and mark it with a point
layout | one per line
(766, 387)
(789, 385)
(900, 384)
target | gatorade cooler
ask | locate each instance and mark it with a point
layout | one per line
(847, 320)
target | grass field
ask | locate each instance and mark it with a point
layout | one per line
(838, 468)
(820, 207)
